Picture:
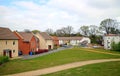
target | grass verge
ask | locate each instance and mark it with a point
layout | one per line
(54, 59)
(99, 69)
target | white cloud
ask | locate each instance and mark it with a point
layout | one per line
(57, 13)
(27, 5)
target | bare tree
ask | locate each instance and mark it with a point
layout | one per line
(49, 31)
(109, 26)
(69, 30)
(59, 32)
(84, 30)
(64, 31)
(95, 30)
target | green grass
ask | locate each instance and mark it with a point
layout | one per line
(99, 69)
(58, 58)
(3, 59)
(102, 50)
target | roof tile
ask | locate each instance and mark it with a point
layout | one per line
(27, 36)
(45, 36)
(7, 34)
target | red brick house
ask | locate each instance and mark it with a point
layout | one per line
(27, 42)
(55, 40)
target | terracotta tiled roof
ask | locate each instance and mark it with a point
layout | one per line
(70, 38)
(45, 36)
(27, 36)
(7, 34)
(36, 38)
(112, 35)
(54, 37)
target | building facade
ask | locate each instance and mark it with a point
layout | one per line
(27, 42)
(55, 40)
(8, 43)
(73, 40)
(46, 41)
(108, 39)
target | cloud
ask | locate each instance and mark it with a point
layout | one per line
(43, 14)
(27, 5)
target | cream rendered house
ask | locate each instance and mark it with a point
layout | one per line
(108, 39)
(73, 40)
(8, 43)
(45, 41)
(79, 40)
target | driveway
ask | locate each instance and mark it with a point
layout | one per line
(45, 53)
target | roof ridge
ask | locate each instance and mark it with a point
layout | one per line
(6, 33)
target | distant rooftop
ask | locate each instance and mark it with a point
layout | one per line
(112, 35)
(45, 36)
(70, 38)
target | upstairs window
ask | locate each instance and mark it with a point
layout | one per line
(13, 42)
(13, 51)
(6, 42)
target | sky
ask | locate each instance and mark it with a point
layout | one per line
(55, 14)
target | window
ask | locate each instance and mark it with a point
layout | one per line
(13, 51)
(6, 42)
(13, 42)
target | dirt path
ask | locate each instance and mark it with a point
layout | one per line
(62, 67)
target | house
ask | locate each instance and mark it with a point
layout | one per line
(8, 43)
(55, 40)
(64, 40)
(46, 41)
(27, 42)
(73, 40)
(109, 38)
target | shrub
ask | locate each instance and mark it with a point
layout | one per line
(115, 46)
(3, 59)
(55, 46)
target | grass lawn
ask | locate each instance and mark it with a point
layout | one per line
(58, 58)
(102, 50)
(99, 69)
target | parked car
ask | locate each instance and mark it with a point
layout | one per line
(19, 53)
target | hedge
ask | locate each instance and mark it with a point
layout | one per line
(115, 46)
(3, 59)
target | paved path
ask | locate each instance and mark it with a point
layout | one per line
(62, 67)
(45, 53)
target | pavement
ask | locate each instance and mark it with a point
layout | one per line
(45, 53)
(62, 67)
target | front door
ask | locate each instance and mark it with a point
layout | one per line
(8, 53)
(49, 47)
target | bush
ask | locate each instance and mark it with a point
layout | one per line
(3, 59)
(115, 46)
